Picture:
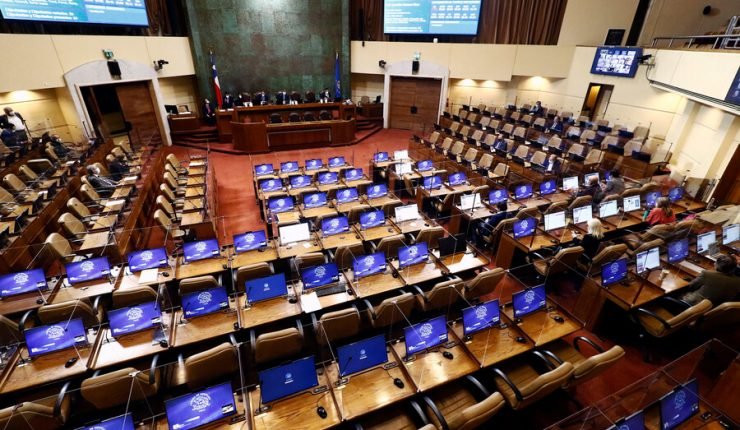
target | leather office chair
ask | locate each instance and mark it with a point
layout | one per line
(556, 207)
(430, 235)
(389, 245)
(434, 138)
(198, 283)
(74, 228)
(585, 367)
(130, 296)
(465, 130)
(507, 130)
(310, 97)
(483, 190)
(522, 385)
(443, 208)
(251, 271)
(630, 192)
(587, 137)
(60, 247)
(610, 253)
(90, 195)
(492, 240)
(456, 151)
(13, 183)
(325, 115)
(445, 146)
(212, 365)
(345, 255)
(580, 202)
(593, 159)
(461, 405)
(353, 217)
(490, 139)
(477, 136)
(519, 134)
(721, 322)
(309, 260)
(532, 212)
(172, 182)
(276, 345)
(167, 226)
(90, 313)
(665, 316)
(391, 310)
(610, 141)
(499, 172)
(540, 123)
(309, 116)
(576, 149)
(122, 386)
(658, 231)
(294, 117)
(470, 155)
(631, 146)
(166, 206)
(538, 158)
(565, 260)
(573, 132)
(522, 152)
(554, 142)
(49, 413)
(275, 118)
(485, 282)
(650, 186)
(10, 333)
(442, 295)
(29, 176)
(79, 209)
(644, 246)
(336, 326)
(389, 208)
(484, 164)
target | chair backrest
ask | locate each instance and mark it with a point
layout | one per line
(520, 132)
(477, 135)
(32, 416)
(173, 160)
(484, 283)
(554, 142)
(515, 116)
(580, 201)
(211, 365)
(587, 135)
(594, 156)
(632, 145)
(443, 294)
(13, 183)
(540, 122)
(447, 143)
(115, 388)
(465, 130)
(277, 344)
(490, 139)
(597, 364)
(10, 334)
(471, 154)
(389, 208)
(130, 296)
(171, 170)
(89, 193)
(556, 207)
(640, 131)
(508, 128)
(309, 260)
(485, 161)
(251, 271)
(434, 137)
(565, 260)
(538, 157)
(390, 244)
(475, 416)
(530, 212)
(59, 246)
(689, 315)
(78, 208)
(5, 196)
(50, 154)
(198, 283)
(353, 217)
(294, 117)
(610, 140)
(170, 180)
(543, 385)
(573, 131)
(393, 310)
(49, 314)
(338, 325)
(648, 245)
(165, 205)
(275, 118)
(325, 115)
(724, 317)
(501, 169)
(430, 235)
(576, 149)
(27, 174)
(607, 254)
(457, 148)
(167, 192)
(163, 220)
(522, 151)
(650, 186)
(104, 170)
(72, 225)
(344, 255)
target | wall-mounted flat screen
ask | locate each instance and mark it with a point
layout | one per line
(616, 61)
(431, 17)
(118, 12)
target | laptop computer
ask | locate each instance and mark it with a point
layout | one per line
(13, 284)
(497, 196)
(470, 202)
(706, 245)
(328, 178)
(353, 174)
(289, 167)
(314, 164)
(647, 260)
(319, 276)
(407, 213)
(380, 157)
(147, 259)
(424, 335)
(45, 339)
(424, 165)
(132, 319)
(347, 195)
(334, 225)
(370, 264)
(631, 203)
(570, 183)
(377, 190)
(280, 204)
(266, 288)
(678, 250)
(264, 169)
(548, 187)
(608, 208)
(288, 379)
(300, 181)
(555, 221)
(528, 301)
(87, 270)
(417, 253)
(651, 198)
(337, 162)
(314, 200)
(457, 178)
(582, 214)
(204, 302)
(613, 272)
(203, 407)
(200, 250)
(432, 182)
(523, 191)
(676, 194)
(270, 185)
(250, 241)
(479, 317)
(370, 219)
(359, 356)
(289, 234)
(679, 405)
(122, 422)
(525, 227)
(730, 235)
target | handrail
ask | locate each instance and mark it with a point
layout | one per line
(692, 39)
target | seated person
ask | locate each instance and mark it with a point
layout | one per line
(661, 213)
(484, 228)
(615, 184)
(552, 164)
(718, 286)
(61, 149)
(557, 125)
(119, 168)
(102, 185)
(537, 108)
(591, 241)
(592, 189)
(500, 143)
(8, 136)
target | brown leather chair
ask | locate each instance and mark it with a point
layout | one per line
(10, 333)
(345, 255)
(198, 283)
(251, 271)
(461, 405)
(521, 385)
(391, 310)
(74, 228)
(556, 207)
(130, 296)
(607, 254)
(276, 345)
(389, 208)
(49, 413)
(584, 367)
(168, 227)
(122, 386)
(353, 217)
(442, 295)
(389, 245)
(485, 282)
(721, 322)
(430, 235)
(565, 260)
(580, 202)
(336, 326)
(90, 313)
(664, 317)
(212, 365)
(309, 260)
(533, 212)
(60, 247)
(644, 246)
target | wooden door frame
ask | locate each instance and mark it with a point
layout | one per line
(389, 99)
(403, 69)
(728, 179)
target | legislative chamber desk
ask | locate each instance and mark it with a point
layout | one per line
(268, 311)
(378, 283)
(112, 351)
(255, 137)
(493, 344)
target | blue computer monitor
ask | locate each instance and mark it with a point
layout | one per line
(147, 259)
(13, 284)
(377, 190)
(457, 178)
(361, 355)
(678, 250)
(476, 318)
(314, 200)
(264, 169)
(122, 422)
(614, 271)
(523, 191)
(134, 318)
(314, 164)
(432, 182)
(266, 288)
(87, 270)
(269, 185)
(249, 241)
(328, 178)
(635, 421)
(346, 195)
(300, 181)
(425, 335)
(380, 156)
(334, 225)
(289, 167)
(370, 264)
(353, 174)
(280, 204)
(200, 249)
(529, 300)
(676, 194)
(372, 219)
(651, 198)
(337, 162)
(318, 276)
(288, 379)
(200, 408)
(424, 165)
(679, 405)
(548, 187)
(50, 338)
(497, 196)
(413, 254)
(204, 302)
(525, 227)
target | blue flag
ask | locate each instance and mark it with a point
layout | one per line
(337, 78)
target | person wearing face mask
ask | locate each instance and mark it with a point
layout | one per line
(13, 117)
(102, 185)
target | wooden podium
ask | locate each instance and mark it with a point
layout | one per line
(254, 137)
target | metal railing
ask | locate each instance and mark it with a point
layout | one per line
(719, 40)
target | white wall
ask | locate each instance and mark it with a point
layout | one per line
(685, 18)
(586, 22)
(179, 90)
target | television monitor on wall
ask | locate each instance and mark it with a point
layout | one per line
(616, 61)
(130, 12)
(458, 17)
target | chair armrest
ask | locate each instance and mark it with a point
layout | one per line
(502, 375)
(232, 339)
(684, 304)
(60, 399)
(153, 369)
(24, 318)
(476, 384)
(416, 408)
(299, 326)
(431, 405)
(314, 323)
(369, 307)
(418, 290)
(252, 340)
(541, 356)
(593, 344)
(552, 355)
(653, 315)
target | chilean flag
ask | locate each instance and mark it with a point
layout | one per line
(216, 84)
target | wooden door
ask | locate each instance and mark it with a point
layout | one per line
(409, 93)
(728, 188)
(138, 110)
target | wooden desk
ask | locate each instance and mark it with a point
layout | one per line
(289, 217)
(370, 390)
(419, 273)
(133, 279)
(329, 187)
(298, 191)
(221, 323)
(111, 351)
(540, 326)
(508, 244)
(81, 290)
(413, 226)
(258, 137)
(374, 284)
(297, 412)
(268, 311)
(334, 241)
(462, 261)
(208, 266)
(113, 206)
(377, 233)
(317, 211)
(23, 302)
(93, 243)
(494, 344)
(622, 221)
(378, 202)
(195, 192)
(253, 257)
(428, 369)
(331, 299)
(300, 248)
(460, 219)
(198, 223)
(344, 208)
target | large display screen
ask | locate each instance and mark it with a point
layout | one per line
(616, 61)
(431, 17)
(120, 12)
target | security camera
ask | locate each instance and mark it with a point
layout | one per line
(381, 64)
(159, 64)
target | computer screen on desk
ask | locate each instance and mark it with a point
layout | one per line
(300, 181)
(582, 214)
(497, 196)
(613, 272)
(337, 162)
(87, 270)
(204, 302)
(318, 276)
(401, 155)
(425, 335)
(413, 254)
(314, 200)
(407, 212)
(587, 177)
(134, 318)
(424, 165)
(730, 234)
(635, 421)
(647, 260)
(523, 191)
(361, 355)
(380, 156)
(314, 164)
(366, 265)
(554, 221)
(470, 201)
(676, 194)
(525, 227)
(377, 190)
(147, 259)
(266, 288)
(372, 219)
(432, 182)
(346, 195)
(250, 241)
(651, 198)
(200, 249)
(294, 233)
(327, 178)
(548, 187)
(529, 300)
(477, 318)
(631, 203)
(280, 204)
(705, 242)
(403, 168)
(570, 183)
(334, 225)
(353, 174)
(288, 379)
(50, 338)
(678, 250)
(679, 405)
(608, 208)
(22, 282)
(122, 422)
(264, 169)
(289, 167)
(200, 408)
(270, 185)
(457, 178)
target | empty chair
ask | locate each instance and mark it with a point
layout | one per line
(13, 183)
(345, 255)
(294, 117)
(585, 367)
(325, 115)
(167, 226)
(484, 163)
(507, 129)
(610, 141)
(632, 146)
(391, 311)
(588, 136)
(664, 317)
(721, 322)
(538, 158)
(457, 149)
(336, 326)
(522, 152)
(60, 247)
(610, 253)
(434, 137)
(276, 345)
(461, 405)
(130, 296)
(309, 116)
(353, 217)
(275, 118)
(442, 295)
(565, 260)
(576, 150)
(212, 365)
(122, 386)
(91, 314)
(309, 260)
(519, 133)
(555, 143)
(79, 209)
(49, 413)
(477, 135)
(470, 155)
(521, 385)
(310, 97)
(580, 202)
(251, 271)
(644, 246)
(430, 235)
(500, 171)
(166, 206)
(485, 282)
(389, 245)
(10, 333)
(389, 208)
(556, 207)
(593, 158)
(74, 228)
(446, 145)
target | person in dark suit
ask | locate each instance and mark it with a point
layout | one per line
(281, 98)
(593, 189)
(8, 136)
(719, 285)
(486, 227)
(13, 117)
(324, 96)
(209, 113)
(103, 186)
(118, 168)
(536, 109)
(239, 100)
(557, 125)
(552, 164)
(228, 101)
(615, 184)
(500, 143)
